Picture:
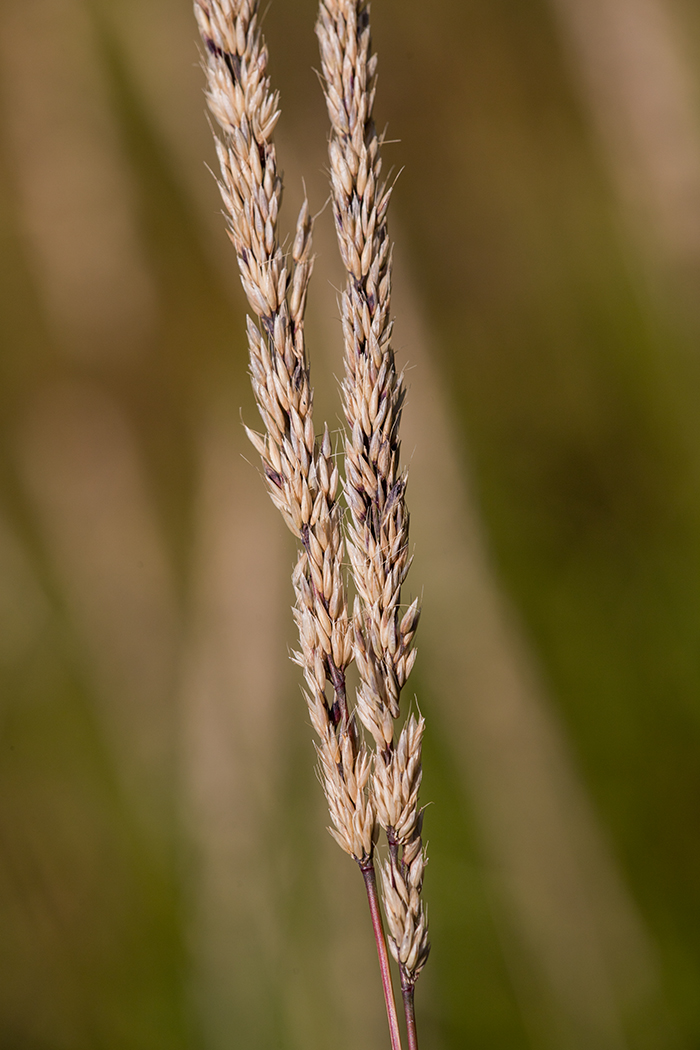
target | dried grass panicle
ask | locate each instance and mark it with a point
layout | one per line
(375, 484)
(405, 912)
(301, 475)
(373, 393)
(396, 786)
(396, 792)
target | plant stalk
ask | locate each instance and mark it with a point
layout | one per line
(410, 1012)
(368, 873)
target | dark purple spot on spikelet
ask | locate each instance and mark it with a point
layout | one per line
(273, 476)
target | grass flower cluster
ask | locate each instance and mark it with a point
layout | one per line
(368, 787)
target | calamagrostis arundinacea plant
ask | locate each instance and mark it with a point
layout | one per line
(301, 476)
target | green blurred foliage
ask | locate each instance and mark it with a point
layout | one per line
(572, 367)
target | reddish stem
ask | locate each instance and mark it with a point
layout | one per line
(410, 1012)
(367, 869)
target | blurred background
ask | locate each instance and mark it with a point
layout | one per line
(166, 880)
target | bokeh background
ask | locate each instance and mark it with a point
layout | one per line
(165, 877)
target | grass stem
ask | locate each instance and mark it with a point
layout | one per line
(367, 869)
(408, 993)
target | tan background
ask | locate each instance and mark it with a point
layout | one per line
(165, 876)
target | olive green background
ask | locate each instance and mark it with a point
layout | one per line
(165, 877)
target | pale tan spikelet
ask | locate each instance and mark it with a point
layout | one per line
(402, 883)
(375, 483)
(344, 767)
(301, 475)
(397, 780)
(398, 775)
